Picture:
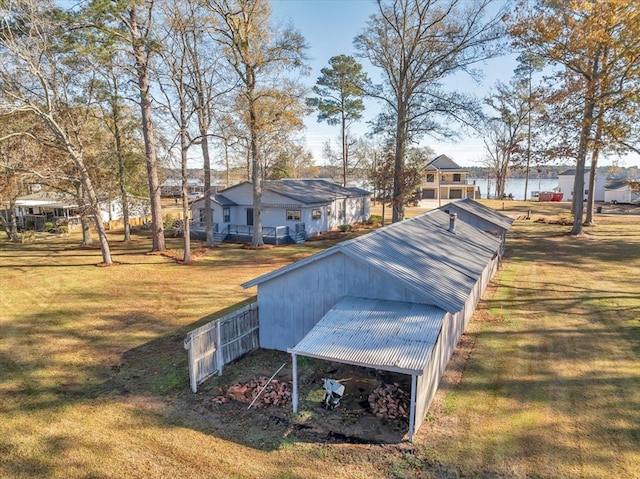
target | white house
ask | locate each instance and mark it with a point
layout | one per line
(397, 299)
(567, 177)
(292, 209)
(443, 178)
(33, 211)
(619, 191)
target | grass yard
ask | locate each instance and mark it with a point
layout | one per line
(93, 380)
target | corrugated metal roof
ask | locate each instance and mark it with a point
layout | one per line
(387, 335)
(481, 211)
(439, 266)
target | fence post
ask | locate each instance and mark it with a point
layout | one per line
(219, 355)
(193, 374)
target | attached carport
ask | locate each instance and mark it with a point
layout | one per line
(380, 334)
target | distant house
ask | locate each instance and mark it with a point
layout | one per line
(33, 211)
(443, 179)
(292, 209)
(397, 299)
(172, 188)
(619, 191)
(567, 178)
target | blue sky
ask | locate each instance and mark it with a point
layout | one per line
(329, 27)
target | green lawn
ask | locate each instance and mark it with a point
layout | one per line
(93, 380)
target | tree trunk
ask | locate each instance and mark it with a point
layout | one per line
(208, 214)
(344, 150)
(578, 185)
(186, 232)
(84, 223)
(591, 197)
(398, 166)
(94, 207)
(142, 71)
(256, 176)
(124, 198)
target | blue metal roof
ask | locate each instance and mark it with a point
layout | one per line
(439, 266)
(314, 190)
(481, 211)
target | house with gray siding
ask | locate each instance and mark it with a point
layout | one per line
(396, 299)
(311, 206)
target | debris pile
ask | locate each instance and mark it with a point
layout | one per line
(277, 393)
(389, 402)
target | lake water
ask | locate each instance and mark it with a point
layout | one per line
(515, 186)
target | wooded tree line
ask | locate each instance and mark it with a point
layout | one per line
(95, 98)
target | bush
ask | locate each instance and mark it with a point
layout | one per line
(49, 226)
(344, 228)
(374, 220)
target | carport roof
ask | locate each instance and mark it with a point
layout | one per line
(387, 335)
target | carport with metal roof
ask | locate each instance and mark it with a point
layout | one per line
(387, 335)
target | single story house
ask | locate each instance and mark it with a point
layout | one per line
(397, 299)
(33, 211)
(619, 191)
(482, 217)
(292, 209)
(567, 177)
(442, 178)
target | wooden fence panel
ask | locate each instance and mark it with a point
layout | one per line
(221, 341)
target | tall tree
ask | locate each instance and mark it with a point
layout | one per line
(417, 44)
(258, 53)
(596, 46)
(340, 91)
(505, 130)
(129, 26)
(42, 76)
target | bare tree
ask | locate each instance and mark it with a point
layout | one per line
(41, 78)
(417, 44)
(505, 129)
(258, 53)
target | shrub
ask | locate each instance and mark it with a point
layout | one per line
(344, 228)
(374, 220)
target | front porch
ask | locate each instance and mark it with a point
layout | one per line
(243, 233)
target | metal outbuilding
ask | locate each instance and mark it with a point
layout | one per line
(396, 299)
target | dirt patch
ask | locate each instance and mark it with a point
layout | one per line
(351, 421)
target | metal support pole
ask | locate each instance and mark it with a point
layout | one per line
(412, 407)
(294, 373)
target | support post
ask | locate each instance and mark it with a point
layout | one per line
(294, 373)
(219, 356)
(193, 375)
(412, 407)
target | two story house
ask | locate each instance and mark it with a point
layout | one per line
(444, 179)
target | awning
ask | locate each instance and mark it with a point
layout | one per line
(388, 335)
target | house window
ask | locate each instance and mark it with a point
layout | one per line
(316, 214)
(294, 215)
(362, 209)
(431, 178)
(342, 210)
(457, 177)
(226, 214)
